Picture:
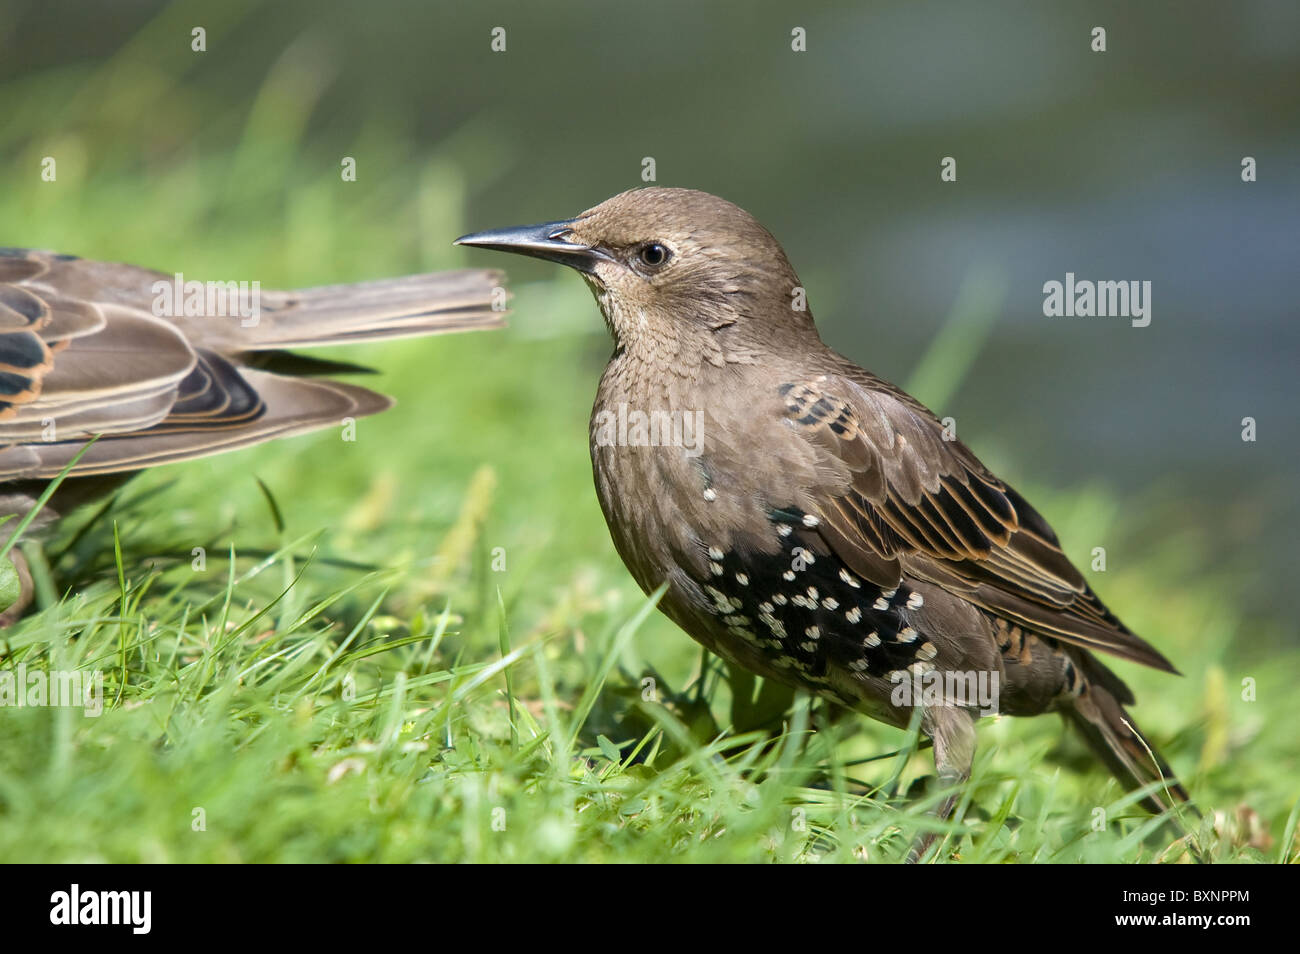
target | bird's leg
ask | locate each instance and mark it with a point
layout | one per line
(26, 591)
(952, 730)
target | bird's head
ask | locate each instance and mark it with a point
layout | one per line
(672, 264)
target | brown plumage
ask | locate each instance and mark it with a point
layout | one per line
(822, 531)
(92, 348)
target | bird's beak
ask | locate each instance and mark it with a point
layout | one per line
(550, 241)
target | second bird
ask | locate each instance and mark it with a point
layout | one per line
(822, 530)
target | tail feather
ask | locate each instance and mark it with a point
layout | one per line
(1115, 738)
(407, 307)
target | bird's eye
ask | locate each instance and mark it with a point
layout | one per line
(653, 254)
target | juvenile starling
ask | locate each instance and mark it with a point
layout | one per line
(137, 357)
(822, 531)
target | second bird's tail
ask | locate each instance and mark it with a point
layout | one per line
(408, 307)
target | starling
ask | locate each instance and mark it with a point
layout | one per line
(819, 528)
(141, 359)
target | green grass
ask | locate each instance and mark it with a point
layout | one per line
(427, 649)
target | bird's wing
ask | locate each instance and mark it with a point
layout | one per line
(915, 502)
(82, 352)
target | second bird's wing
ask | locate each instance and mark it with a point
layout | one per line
(919, 504)
(82, 352)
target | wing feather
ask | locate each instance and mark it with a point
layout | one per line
(918, 504)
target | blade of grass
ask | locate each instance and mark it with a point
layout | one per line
(625, 633)
(43, 499)
(503, 635)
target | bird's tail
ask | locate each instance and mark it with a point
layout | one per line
(412, 306)
(1115, 738)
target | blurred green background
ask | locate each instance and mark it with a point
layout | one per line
(1116, 165)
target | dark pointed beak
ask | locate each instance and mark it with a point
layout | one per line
(550, 240)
